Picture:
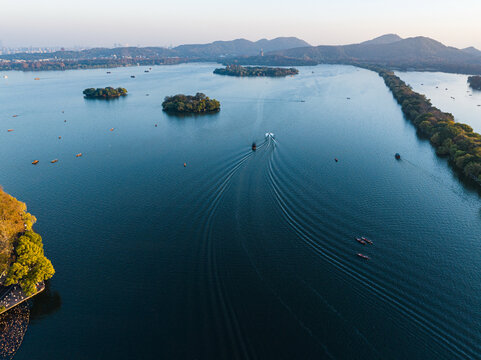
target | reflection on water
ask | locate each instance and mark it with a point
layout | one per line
(44, 304)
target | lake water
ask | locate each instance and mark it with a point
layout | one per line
(450, 93)
(240, 254)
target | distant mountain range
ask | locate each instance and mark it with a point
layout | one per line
(472, 50)
(389, 50)
(217, 49)
(239, 47)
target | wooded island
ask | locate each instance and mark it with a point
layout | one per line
(199, 103)
(104, 93)
(238, 70)
(475, 82)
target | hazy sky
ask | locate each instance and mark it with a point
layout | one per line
(173, 22)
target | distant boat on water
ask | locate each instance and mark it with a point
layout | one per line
(35, 162)
(397, 156)
(367, 240)
(361, 241)
(54, 161)
(363, 256)
(37, 78)
(269, 135)
(78, 155)
(10, 130)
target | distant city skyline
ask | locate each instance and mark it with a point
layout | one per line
(56, 23)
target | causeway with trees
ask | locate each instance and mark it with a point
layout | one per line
(452, 139)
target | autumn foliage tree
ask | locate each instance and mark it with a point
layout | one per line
(22, 256)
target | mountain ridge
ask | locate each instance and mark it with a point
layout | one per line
(236, 47)
(413, 50)
(388, 51)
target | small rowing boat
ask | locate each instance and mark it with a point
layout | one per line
(361, 241)
(367, 240)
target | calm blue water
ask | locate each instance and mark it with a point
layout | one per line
(449, 92)
(241, 254)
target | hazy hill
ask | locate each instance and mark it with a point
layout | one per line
(389, 49)
(384, 39)
(472, 50)
(238, 47)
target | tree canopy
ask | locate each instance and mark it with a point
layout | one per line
(199, 103)
(14, 219)
(21, 249)
(237, 70)
(475, 82)
(30, 266)
(452, 139)
(104, 93)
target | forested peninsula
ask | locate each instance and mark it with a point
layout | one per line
(22, 258)
(238, 70)
(104, 93)
(184, 104)
(454, 140)
(475, 82)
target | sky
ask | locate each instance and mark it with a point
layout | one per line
(91, 23)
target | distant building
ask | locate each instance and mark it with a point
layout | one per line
(261, 53)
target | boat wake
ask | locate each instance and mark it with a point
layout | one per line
(317, 232)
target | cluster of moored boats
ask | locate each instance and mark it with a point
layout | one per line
(35, 162)
(364, 241)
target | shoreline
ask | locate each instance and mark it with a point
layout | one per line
(18, 296)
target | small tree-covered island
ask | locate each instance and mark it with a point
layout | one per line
(475, 82)
(23, 265)
(185, 104)
(104, 93)
(237, 70)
